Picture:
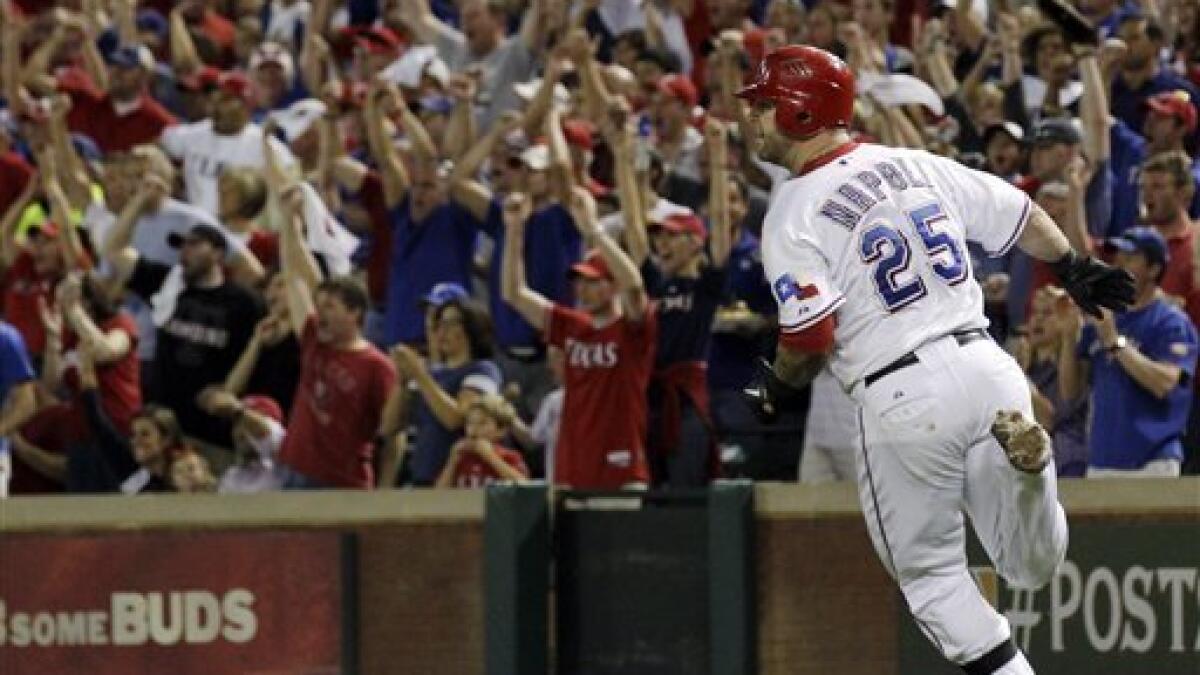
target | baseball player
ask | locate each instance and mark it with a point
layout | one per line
(866, 250)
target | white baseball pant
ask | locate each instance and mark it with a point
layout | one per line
(927, 454)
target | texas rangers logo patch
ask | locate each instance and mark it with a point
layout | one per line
(787, 287)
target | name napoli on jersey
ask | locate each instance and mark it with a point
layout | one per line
(853, 199)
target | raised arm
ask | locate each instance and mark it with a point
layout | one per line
(619, 134)
(1093, 107)
(300, 271)
(464, 189)
(69, 244)
(239, 376)
(419, 19)
(626, 275)
(106, 347)
(394, 176)
(69, 168)
(531, 305)
(118, 250)
(931, 54)
(1072, 371)
(720, 223)
(185, 60)
(10, 53)
(460, 130)
(8, 225)
(562, 174)
(1074, 223)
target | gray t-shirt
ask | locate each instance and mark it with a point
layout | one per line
(509, 63)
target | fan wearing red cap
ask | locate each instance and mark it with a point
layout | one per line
(608, 340)
(257, 435)
(29, 273)
(672, 114)
(227, 138)
(580, 135)
(687, 278)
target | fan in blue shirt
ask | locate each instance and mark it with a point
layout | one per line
(1141, 363)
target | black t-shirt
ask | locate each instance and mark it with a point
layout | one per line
(686, 308)
(277, 372)
(198, 345)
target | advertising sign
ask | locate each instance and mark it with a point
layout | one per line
(176, 603)
(1126, 600)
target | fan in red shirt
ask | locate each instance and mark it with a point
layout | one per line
(478, 460)
(344, 381)
(609, 348)
(125, 116)
(29, 273)
(84, 315)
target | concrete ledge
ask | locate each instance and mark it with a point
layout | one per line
(46, 514)
(1109, 497)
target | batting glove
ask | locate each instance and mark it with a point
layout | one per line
(768, 395)
(1093, 284)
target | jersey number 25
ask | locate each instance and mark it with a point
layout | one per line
(888, 249)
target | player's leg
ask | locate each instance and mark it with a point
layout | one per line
(1016, 514)
(911, 482)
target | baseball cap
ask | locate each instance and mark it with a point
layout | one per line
(526, 91)
(202, 79)
(1009, 127)
(679, 88)
(580, 133)
(1144, 240)
(264, 405)
(1056, 130)
(443, 293)
(298, 117)
(592, 267)
(270, 52)
(201, 232)
(536, 157)
(1177, 104)
(416, 62)
(481, 383)
(376, 39)
(438, 104)
(152, 21)
(682, 223)
(132, 56)
(235, 84)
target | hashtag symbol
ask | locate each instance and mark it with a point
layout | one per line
(1023, 617)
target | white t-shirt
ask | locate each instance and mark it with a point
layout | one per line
(879, 236)
(205, 153)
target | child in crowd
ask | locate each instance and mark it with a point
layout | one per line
(478, 459)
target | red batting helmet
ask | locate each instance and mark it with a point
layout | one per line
(812, 89)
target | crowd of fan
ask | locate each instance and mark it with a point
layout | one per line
(262, 244)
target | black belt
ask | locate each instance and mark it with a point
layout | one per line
(910, 359)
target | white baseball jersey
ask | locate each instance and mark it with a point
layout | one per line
(879, 235)
(205, 154)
